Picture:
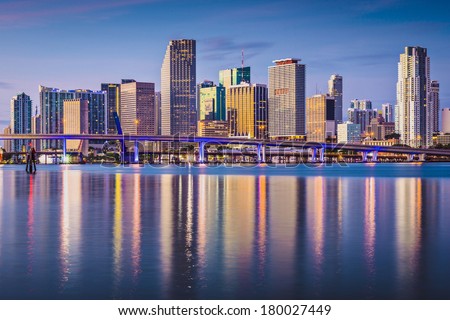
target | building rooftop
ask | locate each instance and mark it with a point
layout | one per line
(286, 61)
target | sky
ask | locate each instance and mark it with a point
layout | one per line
(80, 44)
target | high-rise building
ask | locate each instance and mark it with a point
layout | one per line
(76, 122)
(234, 76)
(178, 79)
(361, 112)
(211, 102)
(20, 119)
(446, 120)
(335, 89)
(113, 100)
(348, 132)
(52, 111)
(378, 130)
(320, 122)
(137, 108)
(287, 98)
(434, 105)
(387, 112)
(247, 110)
(413, 114)
(7, 143)
(97, 110)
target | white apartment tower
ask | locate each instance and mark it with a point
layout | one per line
(413, 114)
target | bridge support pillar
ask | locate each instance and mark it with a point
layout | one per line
(322, 155)
(375, 156)
(410, 157)
(422, 157)
(313, 154)
(64, 147)
(136, 151)
(123, 150)
(364, 156)
(201, 152)
(261, 152)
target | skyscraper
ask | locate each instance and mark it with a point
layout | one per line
(20, 119)
(335, 89)
(113, 100)
(446, 120)
(211, 102)
(178, 79)
(388, 112)
(287, 98)
(234, 76)
(361, 112)
(137, 108)
(247, 110)
(413, 114)
(52, 111)
(320, 122)
(434, 104)
(76, 122)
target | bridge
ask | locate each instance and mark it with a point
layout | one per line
(317, 149)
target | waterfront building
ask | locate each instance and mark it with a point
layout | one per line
(348, 132)
(113, 101)
(320, 122)
(247, 110)
(234, 76)
(361, 112)
(335, 89)
(20, 119)
(97, 109)
(178, 79)
(446, 120)
(378, 130)
(213, 128)
(52, 111)
(76, 122)
(137, 108)
(7, 144)
(434, 105)
(413, 115)
(380, 143)
(211, 102)
(287, 98)
(388, 112)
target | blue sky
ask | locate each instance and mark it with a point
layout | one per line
(79, 44)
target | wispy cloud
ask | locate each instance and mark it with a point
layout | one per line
(221, 47)
(14, 13)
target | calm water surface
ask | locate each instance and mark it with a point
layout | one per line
(358, 232)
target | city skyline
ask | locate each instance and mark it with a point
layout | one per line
(362, 49)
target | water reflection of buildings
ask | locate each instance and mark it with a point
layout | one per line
(70, 228)
(409, 210)
(370, 226)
